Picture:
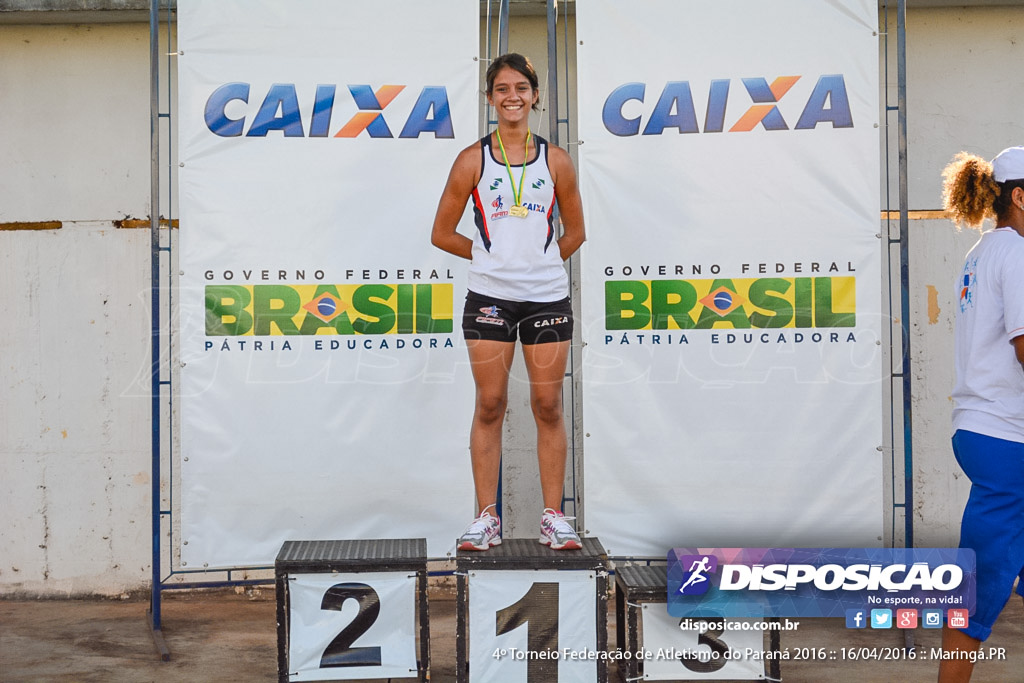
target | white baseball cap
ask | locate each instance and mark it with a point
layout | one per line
(1009, 165)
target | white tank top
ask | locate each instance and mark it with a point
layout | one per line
(516, 259)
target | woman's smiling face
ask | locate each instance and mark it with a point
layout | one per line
(511, 95)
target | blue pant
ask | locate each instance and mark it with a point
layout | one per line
(993, 523)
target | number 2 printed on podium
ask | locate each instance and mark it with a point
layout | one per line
(352, 626)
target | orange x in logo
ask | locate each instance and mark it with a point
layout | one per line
(370, 119)
(767, 115)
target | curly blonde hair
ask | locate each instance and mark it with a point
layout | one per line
(969, 190)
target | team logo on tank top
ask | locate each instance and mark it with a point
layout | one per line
(499, 208)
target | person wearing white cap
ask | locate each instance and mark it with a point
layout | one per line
(988, 398)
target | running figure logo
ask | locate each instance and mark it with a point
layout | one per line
(696, 582)
(497, 203)
(490, 316)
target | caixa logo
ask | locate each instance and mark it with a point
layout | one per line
(280, 111)
(674, 108)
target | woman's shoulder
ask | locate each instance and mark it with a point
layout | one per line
(559, 162)
(1003, 239)
(1001, 249)
(558, 154)
(468, 161)
(473, 150)
(1013, 245)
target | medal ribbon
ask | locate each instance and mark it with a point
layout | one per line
(516, 194)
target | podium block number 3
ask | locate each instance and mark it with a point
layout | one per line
(714, 653)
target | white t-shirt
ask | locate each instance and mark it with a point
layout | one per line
(988, 396)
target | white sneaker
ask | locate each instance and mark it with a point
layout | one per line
(556, 532)
(482, 533)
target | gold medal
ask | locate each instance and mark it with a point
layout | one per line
(517, 209)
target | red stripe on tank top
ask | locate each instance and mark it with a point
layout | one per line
(481, 219)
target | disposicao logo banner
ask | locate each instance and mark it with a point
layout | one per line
(816, 582)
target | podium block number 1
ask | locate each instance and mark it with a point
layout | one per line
(532, 626)
(538, 612)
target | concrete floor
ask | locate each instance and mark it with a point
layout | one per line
(231, 636)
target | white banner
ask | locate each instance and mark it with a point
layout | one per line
(671, 654)
(325, 390)
(529, 626)
(731, 308)
(352, 626)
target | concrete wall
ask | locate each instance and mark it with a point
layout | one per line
(74, 416)
(965, 92)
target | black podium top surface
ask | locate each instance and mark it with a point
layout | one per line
(527, 553)
(642, 582)
(382, 554)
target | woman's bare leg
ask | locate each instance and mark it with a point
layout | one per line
(490, 361)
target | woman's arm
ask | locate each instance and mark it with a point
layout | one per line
(570, 206)
(1018, 348)
(461, 181)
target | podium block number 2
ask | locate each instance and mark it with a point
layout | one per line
(532, 626)
(340, 651)
(352, 626)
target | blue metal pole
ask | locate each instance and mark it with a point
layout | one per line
(154, 265)
(503, 27)
(908, 451)
(552, 71)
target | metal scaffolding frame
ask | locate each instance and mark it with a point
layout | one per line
(163, 283)
(900, 386)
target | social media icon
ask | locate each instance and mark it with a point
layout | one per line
(856, 618)
(957, 618)
(881, 618)
(931, 618)
(906, 618)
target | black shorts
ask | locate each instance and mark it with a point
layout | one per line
(498, 320)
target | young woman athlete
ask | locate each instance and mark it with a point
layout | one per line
(518, 287)
(988, 398)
